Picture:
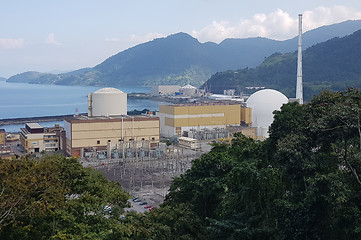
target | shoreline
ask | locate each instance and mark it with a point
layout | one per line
(23, 120)
(10, 121)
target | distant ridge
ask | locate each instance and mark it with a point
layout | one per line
(182, 59)
(334, 65)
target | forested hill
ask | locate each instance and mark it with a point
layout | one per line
(335, 65)
(182, 59)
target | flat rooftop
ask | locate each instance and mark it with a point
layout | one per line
(203, 104)
(34, 125)
(82, 118)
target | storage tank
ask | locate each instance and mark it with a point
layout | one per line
(188, 90)
(107, 102)
(263, 103)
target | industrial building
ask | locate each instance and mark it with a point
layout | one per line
(182, 119)
(263, 103)
(164, 90)
(85, 134)
(35, 138)
(188, 90)
(107, 127)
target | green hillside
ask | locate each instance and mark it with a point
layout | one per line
(334, 65)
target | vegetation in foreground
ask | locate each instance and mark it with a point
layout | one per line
(301, 183)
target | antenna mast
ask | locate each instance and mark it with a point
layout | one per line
(299, 86)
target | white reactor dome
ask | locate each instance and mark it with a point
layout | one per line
(107, 102)
(109, 90)
(263, 103)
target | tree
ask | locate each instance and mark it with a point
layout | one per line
(55, 197)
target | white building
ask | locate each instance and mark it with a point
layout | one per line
(35, 138)
(229, 92)
(263, 103)
(107, 102)
(188, 90)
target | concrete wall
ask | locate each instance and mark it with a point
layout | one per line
(107, 104)
(246, 116)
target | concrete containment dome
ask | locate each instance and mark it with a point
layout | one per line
(109, 90)
(263, 103)
(107, 102)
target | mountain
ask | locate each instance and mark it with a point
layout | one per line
(334, 64)
(182, 59)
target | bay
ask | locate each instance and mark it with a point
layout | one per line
(22, 100)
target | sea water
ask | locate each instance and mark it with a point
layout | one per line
(22, 100)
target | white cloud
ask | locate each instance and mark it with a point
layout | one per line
(9, 43)
(50, 39)
(276, 25)
(324, 16)
(145, 38)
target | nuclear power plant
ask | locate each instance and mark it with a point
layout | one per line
(107, 129)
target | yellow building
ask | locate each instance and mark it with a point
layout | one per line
(2, 137)
(100, 133)
(35, 138)
(176, 119)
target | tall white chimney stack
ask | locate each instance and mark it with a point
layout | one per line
(299, 87)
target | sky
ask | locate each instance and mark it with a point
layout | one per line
(65, 35)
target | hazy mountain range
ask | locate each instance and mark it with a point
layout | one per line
(182, 59)
(334, 64)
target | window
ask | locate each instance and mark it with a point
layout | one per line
(109, 141)
(153, 138)
(143, 139)
(98, 142)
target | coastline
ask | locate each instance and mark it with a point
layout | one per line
(11, 121)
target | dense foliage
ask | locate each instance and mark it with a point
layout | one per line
(301, 183)
(56, 198)
(332, 65)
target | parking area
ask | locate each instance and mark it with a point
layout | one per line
(135, 206)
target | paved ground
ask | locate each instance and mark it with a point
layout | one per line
(16, 148)
(136, 207)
